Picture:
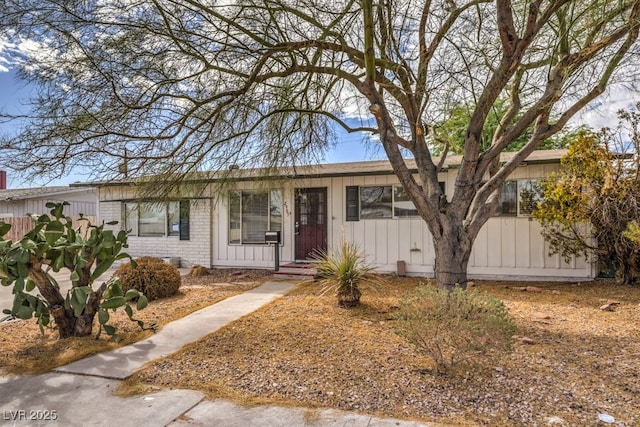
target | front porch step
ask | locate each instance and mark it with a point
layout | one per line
(296, 271)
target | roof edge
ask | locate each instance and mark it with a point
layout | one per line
(328, 170)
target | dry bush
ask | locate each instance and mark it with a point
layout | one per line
(454, 327)
(153, 277)
(149, 260)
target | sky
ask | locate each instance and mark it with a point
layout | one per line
(14, 95)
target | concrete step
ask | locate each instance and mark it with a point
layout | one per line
(296, 271)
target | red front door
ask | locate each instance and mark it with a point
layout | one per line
(310, 222)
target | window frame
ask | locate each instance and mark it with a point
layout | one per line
(519, 210)
(174, 224)
(275, 203)
(352, 203)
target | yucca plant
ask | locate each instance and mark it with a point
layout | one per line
(343, 271)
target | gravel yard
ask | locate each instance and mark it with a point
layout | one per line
(576, 354)
(573, 359)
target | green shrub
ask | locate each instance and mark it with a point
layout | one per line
(344, 271)
(153, 277)
(454, 327)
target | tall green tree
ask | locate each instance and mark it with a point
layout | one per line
(183, 85)
(448, 136)
(591, 207)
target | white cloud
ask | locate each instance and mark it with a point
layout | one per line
(5, 45)
(10, 51)
(603, 112)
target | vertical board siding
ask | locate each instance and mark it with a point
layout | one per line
(394, 252)
(480, 250)
(537, 244)
(84, 203)
(494, 247)
(523, 244)
(383, 239)
(509, 234)
(256, 255)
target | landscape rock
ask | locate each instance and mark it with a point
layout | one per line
(610, 305)
(540, 316)
(198, 271)
(606, 418)
(555, 421)
(527, 340)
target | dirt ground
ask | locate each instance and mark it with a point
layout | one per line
(572, 360)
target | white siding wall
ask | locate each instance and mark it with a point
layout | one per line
(507, 247)
(83, 202)
(258, 256)
(386, 241)
(513, 247)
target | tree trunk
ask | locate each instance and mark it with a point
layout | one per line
(68, 325)
(453, 250)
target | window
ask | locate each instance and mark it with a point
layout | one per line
(157, 219)
(403, 207)
(508, 199)
(130, 220)
(376, 202)
(251, 213)
(152, 220)
(529, 195)
(519, 198)
(380, 202)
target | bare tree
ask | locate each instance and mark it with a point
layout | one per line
(187, 85)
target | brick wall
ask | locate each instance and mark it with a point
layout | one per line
(197, 250)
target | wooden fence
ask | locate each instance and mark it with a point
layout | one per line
(20, 226)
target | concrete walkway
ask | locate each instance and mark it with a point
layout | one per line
(124, 361)
(81, 393)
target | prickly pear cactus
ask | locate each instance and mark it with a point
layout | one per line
(54, 245)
